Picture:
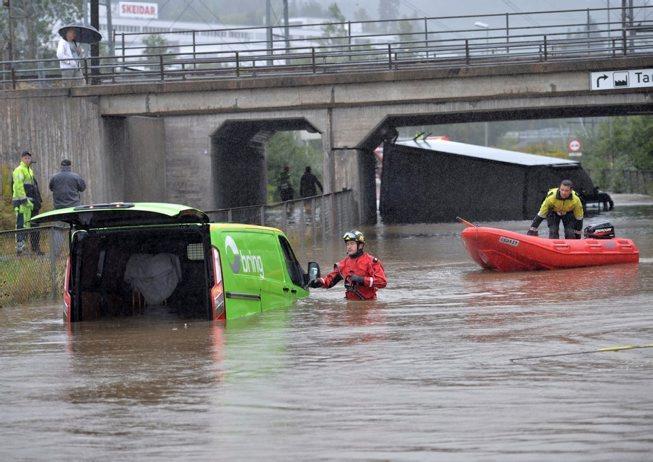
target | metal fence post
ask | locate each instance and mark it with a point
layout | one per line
(507, 33)
(313, 58)
(349, 38)
(466, 51)
(426, 36)
(194, 54)
(262, 212)
(545, 49)
(390, 56)
(53, 263)
(161, 67)
(237, 64)
(313, 214)
(86, 70)
(229, 216)
(13, 77)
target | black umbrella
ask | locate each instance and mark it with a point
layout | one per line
(85, 34)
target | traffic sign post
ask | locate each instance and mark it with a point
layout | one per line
(575, 147)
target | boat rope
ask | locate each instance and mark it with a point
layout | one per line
(600, 350)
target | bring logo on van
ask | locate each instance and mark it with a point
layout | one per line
(247, 264)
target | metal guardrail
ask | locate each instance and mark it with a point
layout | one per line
(308, 222)
(435, 45)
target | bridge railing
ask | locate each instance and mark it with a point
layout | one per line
(308, 222)
(345, 51)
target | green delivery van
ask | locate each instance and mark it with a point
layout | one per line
(125, 259)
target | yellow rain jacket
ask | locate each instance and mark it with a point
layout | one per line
(553, 202)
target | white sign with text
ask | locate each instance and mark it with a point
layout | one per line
(614, 80)
(138, 10)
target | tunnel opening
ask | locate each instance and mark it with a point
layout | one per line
(247, 156)
(437, 168)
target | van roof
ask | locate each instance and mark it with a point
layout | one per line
(243, 227)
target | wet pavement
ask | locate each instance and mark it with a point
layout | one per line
(424, 373)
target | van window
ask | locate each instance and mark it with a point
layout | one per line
(294, 268)
(195, 251)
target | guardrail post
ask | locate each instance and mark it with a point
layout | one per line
(123, 48)
(390, 56)
(426, 36)
(614, 48)
(624, 40)
(86, 70)
(13, 77)
(313, 58)
(349, 38)
(545, 49)
(467, 51)
(194, 55)
(161, 67)
(237, 64)
(507, 33)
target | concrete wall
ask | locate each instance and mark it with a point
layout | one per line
(54, 126)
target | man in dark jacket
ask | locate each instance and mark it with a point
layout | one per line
(307, 184)
(66, 186)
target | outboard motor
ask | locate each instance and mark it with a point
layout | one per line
(602, 231)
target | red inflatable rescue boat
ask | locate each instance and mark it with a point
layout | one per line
(503, 250)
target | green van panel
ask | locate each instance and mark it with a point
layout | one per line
(254, 269)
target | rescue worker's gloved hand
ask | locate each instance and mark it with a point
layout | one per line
(532, 231)
(357, 279)
(315, 283)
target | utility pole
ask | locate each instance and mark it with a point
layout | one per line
(95, 47)
(10, 46)
(112, 45)
(286, 28)
(268, 25)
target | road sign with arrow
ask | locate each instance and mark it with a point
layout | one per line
(615, 80)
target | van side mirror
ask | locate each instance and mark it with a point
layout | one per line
(313, 272)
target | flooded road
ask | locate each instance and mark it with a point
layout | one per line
(422, 374)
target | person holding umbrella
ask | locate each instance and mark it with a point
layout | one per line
(70, 53)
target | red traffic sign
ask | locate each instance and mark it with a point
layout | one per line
(574, 145)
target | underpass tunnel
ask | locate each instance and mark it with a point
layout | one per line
(417, 182)
(239, 162)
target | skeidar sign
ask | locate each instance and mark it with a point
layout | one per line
(138, 10)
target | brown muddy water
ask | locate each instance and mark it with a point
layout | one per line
(422, 374)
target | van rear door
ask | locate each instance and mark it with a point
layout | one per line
(123, 214)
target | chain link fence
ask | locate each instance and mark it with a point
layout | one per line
(309, 222)
(34, 270)
(32, 264)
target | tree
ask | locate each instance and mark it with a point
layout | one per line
(335, 33)
(33, 21)
(388, 9)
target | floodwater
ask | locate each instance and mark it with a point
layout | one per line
(422, 374)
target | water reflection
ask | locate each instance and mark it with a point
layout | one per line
(490, 288)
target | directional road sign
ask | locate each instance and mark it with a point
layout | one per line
(614, 80)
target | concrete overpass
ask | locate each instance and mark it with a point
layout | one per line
(184, 141)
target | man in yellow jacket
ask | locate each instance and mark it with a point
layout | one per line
(561, 204)
(25, 198)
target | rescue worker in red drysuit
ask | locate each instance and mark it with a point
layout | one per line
(362, 273)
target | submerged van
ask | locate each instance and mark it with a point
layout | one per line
(128, 258)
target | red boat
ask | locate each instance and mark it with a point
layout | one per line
(503, 250)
